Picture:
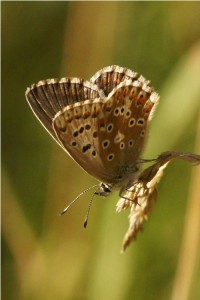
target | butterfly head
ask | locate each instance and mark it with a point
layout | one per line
(104, 190)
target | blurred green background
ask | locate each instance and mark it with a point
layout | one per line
(45, 256)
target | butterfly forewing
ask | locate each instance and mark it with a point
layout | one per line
(48, 97)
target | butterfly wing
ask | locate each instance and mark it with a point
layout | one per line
(105, 135)
(134, 103)
(48, 97)
(109, 77)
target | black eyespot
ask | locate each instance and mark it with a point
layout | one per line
(140, 122)
(86, 148)
(116, 111)
(128, 114)
(131, 122)
(122, 145)
(87, 127)
(94, 153)
(142, 133)
(74, 143)
(81, 129)
(75, 134)
(110, 127)
(110, 157)
(95, 135)
(105, 144)
(130, 143)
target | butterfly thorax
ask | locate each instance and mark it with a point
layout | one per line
(123, 174)
(125, 178)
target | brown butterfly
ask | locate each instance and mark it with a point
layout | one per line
(102, 124)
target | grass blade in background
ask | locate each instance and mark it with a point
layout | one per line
(188, 265)
(179, 103)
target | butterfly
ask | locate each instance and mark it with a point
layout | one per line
(103, 124)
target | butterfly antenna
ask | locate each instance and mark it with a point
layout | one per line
(66, 208)
(89, 207)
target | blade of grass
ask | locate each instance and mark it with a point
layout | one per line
(27, 252)
(178, 104)
(189, 251)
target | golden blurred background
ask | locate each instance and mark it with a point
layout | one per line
(45, 256)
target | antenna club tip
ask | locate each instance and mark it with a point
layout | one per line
(63, 212)
(85, 224)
